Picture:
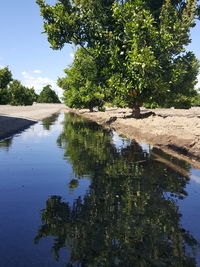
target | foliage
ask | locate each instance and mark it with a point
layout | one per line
(4, 97)
(196, 100)
(48, 95)
(5, 79)
(20, 95)
(81, 84)
(149, 62)
(129, 215)
(141, 43)
(13, 92)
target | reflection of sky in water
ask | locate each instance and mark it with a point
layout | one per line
(31, 170)
(119, 141)
(191, 204)
(195, 176)
(190, 207)
(123, 142)
(37, 130)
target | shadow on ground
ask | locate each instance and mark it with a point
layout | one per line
(13, 125)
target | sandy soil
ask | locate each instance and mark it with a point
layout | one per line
(16, 118)
(175, 131)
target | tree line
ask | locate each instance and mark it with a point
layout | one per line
(129, 53)
(14, 93)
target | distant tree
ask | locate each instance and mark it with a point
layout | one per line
(48, 95)
(20, 95)
(5, 79)
(81, 84)
(196, 100)
(33, 95)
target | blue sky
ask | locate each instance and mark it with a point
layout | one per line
(27, 52)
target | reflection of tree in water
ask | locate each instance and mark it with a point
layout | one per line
(5, 144)
(128, 217)
(47, 122)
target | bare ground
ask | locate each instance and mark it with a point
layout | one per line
(176, 131)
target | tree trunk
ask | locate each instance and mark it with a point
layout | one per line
(136, 112)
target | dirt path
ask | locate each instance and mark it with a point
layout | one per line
(175, 131)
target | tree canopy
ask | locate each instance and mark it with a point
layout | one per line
(48, 95)
(141, 44)
(82, 86)
(5, 79)
(13, 92)
(20, 95)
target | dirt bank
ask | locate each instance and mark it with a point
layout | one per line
(175, 131)
(16, 118)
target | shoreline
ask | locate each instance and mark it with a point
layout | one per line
(176, 132)
(14, 119)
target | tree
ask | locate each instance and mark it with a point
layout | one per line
(82, 86)
(196, 100)
(5, 79)
(143, 43)
(149, 61)
(20, 95)
(48, 95)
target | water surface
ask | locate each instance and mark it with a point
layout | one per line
(75, 194)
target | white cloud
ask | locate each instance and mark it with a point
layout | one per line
(39, 82)
(71, 55)
(37, 71)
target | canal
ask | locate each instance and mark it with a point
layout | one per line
(75, 194)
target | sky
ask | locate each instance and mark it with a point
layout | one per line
(27, 53)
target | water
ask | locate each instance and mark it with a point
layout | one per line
(75, 194)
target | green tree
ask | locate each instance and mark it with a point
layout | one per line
(5, 79)
(142, 42)
(82, 85)
(20, 95)
(196, 100)
(149, 59)
(48, 95)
